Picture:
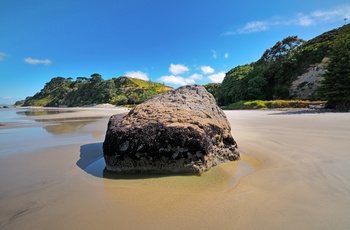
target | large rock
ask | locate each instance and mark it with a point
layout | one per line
(182, 130)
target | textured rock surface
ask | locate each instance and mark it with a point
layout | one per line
(182, 130)
(305, 85)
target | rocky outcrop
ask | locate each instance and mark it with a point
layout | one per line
(305, 85)
(182, 130)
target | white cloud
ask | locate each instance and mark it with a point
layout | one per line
(196, 76)
(214, 54)
(207, 69)
(32, 61)
(252, 27)
(137, 74)
(226, 55)
(2, 56)
(178, 69)
(178, 80)
(316, 17)
(304, 20)
(217, 78)
(7, 97)
(338, 12)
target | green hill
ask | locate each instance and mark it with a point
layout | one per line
(291, 69)
(94, 90)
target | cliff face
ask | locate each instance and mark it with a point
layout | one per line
(305, 86)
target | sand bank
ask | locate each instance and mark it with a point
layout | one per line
(300, 180)
(304, 181)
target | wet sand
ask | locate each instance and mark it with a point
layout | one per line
(294, 174)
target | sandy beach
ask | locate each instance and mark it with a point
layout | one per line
(294, 174)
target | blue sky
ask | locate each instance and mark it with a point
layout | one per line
(172, 42)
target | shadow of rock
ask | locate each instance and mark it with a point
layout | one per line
(89, 155)
(141, 176)
(92, 162)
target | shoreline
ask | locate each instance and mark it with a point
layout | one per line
(74, 113)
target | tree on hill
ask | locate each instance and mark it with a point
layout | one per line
(94, 90)
(213, 88)
(268, 78)
(335, 87)
(95, 78)
(271, 76)
(282, 49)
(234, 85)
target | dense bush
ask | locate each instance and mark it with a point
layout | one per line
(260, 104)
(270, 77)
(94, 90)
(336, 85)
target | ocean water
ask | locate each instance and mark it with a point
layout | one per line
(13, 115)
(21, 132)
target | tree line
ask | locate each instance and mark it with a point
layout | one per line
(270, 77)
(94, 90)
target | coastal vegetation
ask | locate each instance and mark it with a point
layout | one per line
(272, 104)
(60, 91)
(271, 77)
(336, 85)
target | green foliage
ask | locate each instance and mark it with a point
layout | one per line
(94, 90)
(95, 78)
(52, 93)
(19, 103)
(272, 104)
(119, 100)
(336, 84)
(213, 88)
(268, 78)
(234, 85)
(271, 76)
(248, 105)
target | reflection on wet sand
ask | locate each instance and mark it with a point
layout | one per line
(48, 119)
(219, 178)
(92, 161)
(42, 112)
(69, 127)
(158, 200)
(58, 126)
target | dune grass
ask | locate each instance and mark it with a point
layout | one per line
(273, 104)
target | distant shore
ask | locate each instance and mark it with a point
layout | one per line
(103, 110)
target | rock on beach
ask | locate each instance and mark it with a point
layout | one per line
(180, 131)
